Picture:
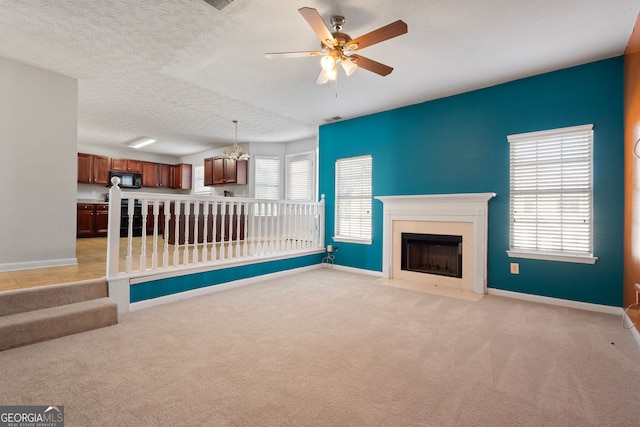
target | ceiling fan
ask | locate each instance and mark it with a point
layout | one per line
(338, 47)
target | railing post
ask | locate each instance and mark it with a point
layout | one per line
(113, 228)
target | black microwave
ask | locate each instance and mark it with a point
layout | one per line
(127, 179)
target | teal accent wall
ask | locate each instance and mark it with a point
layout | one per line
(459, 144)
(173, 285)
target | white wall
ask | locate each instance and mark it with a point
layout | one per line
(38, 139)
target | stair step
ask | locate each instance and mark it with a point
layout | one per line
(41, 325)
(24, 300)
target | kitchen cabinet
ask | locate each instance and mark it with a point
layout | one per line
(93, 169)
(156, 175)
(181, 176)
(126, 165)
(92, 220)
(150, 220)
(223, 171)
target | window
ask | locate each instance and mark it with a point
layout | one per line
(300, 177)
(551, 194)
(267, 180)
(353, 200)
(199, 187)
(267, 185)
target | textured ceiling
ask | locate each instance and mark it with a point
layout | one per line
(180, 70)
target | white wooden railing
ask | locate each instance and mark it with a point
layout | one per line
(152, 233)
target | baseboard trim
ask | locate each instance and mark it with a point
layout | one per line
(352, 269)
(599, 308)
(31, 265)
(216, 288)
(632, 329)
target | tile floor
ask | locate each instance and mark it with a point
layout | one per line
(91, 254)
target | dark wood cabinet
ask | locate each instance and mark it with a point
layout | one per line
(126, 165)
(242, 171)
(93, 169)
(101, 220)
(157, 175)
(181, 176)
(85, 221)
(92, 220)
(208, 171)
(223, 171)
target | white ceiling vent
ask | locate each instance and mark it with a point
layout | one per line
(219, 4)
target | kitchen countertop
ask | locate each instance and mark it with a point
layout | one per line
(92, 202)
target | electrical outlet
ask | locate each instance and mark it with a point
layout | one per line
(515, 268)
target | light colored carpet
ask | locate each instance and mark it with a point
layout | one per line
(329, 348)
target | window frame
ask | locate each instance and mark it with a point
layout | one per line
(536, 140)
(259, 209)
(290, 158)
(367, 240)
(198, 182)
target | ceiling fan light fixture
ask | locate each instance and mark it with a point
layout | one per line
(328, 63)
(348, 66)
(331, 74)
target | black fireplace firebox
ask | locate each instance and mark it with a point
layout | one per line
(432, 254)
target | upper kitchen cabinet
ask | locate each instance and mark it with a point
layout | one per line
(223, 171)
(93, 169)
(181, 176)
(157, 175)
(126, 165)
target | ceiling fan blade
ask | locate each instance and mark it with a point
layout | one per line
(381, 34)
(314, 19)
(371, 65)
(291, 54)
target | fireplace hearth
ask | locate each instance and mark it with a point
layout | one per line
(432, 254)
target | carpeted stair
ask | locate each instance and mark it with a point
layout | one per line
(33, 315)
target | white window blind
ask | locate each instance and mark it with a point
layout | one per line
(299, 177)
(551, 191)
(199, 187)
(267, 184)
(353, 198)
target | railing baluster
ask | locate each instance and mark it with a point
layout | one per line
(205, 231)
(236, 210)
(143, 237)
(196, 222)
(154, 253)
(229, 220)
(214, 240)
(187, 225)
(176, 242)
(244, 211)
(129, 259)
(167, 217)
(223, 226)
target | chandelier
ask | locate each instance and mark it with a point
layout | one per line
(235, 152)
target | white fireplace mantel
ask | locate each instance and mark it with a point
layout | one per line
(469, 208)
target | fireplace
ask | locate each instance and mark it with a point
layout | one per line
(439, 254)
(461, 215)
